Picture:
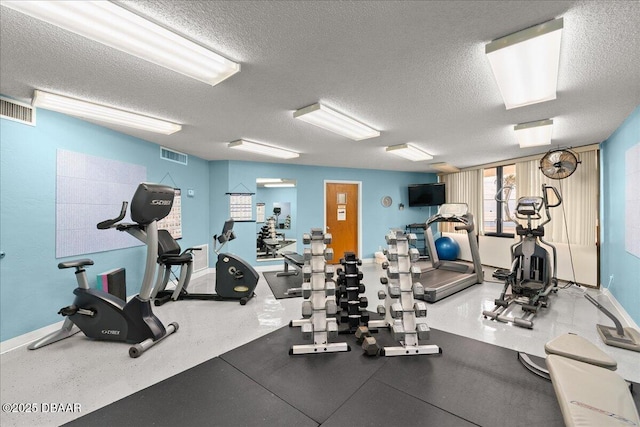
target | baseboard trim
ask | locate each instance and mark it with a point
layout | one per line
(22, 340)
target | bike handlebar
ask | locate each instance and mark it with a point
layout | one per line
(109, 223)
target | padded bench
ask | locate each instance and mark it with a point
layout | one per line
(588, 391)
(291, 259)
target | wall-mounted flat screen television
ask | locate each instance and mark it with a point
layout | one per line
(426, 194)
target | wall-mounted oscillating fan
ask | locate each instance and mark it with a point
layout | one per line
(559, 164)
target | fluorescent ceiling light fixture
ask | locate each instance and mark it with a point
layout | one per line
(268, 180)
(525, 64)
(533, 134)
(280, 185)
(115, 26)
(410, 152)
(102, 113)
(444, 167)
(266, 150)
(326, 118)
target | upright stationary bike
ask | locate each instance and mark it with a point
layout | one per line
(103, 316)
(532, 276)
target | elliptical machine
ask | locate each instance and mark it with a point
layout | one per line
(532, 276)
(102, 316)
(235, 278)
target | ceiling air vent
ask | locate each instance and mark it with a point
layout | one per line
(17, 111)
(173, 156)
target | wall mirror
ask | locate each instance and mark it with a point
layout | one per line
(276, 202)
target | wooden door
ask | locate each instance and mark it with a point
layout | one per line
(342, 217)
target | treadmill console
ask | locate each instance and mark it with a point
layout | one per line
(449, 210)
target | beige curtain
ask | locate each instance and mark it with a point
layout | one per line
(465, 187)
(580, 199)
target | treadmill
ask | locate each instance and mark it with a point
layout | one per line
(444, 278)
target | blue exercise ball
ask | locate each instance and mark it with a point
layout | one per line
(447, 248)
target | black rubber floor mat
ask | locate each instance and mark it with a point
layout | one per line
(279, 285)
(211, 394)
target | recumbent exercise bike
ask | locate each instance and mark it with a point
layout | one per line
(235, 278)
(533, 272)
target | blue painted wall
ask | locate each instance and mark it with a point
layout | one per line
(615, 261)
(376, 219)
(218, 210)
(32, 289)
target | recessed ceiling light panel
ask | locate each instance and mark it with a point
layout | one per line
(525, 64)
(533, 134)
(115, 26)
(280, 185)
(266, 150)
(331, 120)
(444, 167)
(409, 151)
(268, 180)
(101, 113)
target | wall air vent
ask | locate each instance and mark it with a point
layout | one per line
(17, 111)
(201, 258)
(173, 156)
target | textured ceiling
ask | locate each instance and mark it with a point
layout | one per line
(416, 71)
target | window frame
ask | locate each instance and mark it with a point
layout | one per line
(499, 209)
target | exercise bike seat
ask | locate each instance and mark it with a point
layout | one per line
(170, 259)
(169, 250)
(75, 263)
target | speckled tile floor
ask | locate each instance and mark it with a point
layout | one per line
(94, 374)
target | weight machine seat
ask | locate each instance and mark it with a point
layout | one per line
(294, 259)
(578, 348)
(590, 395)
